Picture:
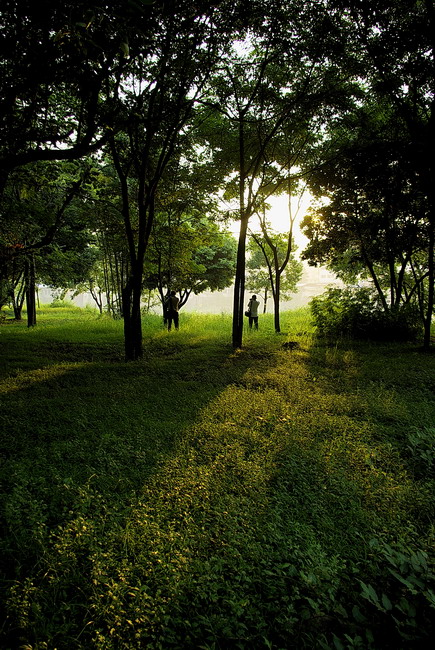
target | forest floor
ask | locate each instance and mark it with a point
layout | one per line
(209, 498)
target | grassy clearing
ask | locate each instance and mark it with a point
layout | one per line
(206, 498)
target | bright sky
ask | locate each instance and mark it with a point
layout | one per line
(279, 217)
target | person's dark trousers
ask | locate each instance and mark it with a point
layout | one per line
(172, 318)
(253, 319)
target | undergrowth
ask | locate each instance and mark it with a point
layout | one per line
(211, 498)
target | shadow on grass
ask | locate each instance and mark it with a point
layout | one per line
(83, 431)
(200, 498)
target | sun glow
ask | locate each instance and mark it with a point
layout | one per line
(279, 218)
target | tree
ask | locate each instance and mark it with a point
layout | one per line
(253, 115)
(39, 218)
(257, 276)
(60, 71)
(374, 225)
(282, 70)
(396, 46)
(265, 263)
(188, 251)
(109, 272)
(190, 256)
(278, 249)
(158, 97)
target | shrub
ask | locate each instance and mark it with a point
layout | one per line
(356, 312)
(58, 303)
(401, 607)
(422, 452)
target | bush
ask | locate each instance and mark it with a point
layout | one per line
(57, 303)
(401, 607)
(421, 452)
(356, 312)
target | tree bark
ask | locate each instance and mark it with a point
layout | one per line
(239, 286)
(131, 296)
(431, 281)
(276, 297)
(18, 297)
(239, 280)
(30, 291)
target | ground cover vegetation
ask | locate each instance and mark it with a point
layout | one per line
(206, 497)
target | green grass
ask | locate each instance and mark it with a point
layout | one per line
(211, 498)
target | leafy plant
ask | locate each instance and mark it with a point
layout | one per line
(421, 447)
(357, 313)
(210, 498)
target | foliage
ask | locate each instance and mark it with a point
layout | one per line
(422, 451)
(45, 235)
(109, 272)
(380, 171)
(61, 85)
(373, 224)
(404, 600)
(258, 276)
(357, 313)
(262, 498)
(188, 252)
(217, 97)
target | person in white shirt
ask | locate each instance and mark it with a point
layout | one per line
(253, 306)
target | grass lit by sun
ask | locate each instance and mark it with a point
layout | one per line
(210, 498)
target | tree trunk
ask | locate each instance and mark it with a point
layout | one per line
(18, 307)
(30, 292)
(239, 281)
(239, 286)
(431, 280)
(276, 302)
(131, 295)
(17, 304)
(19, 294)
(132, 292)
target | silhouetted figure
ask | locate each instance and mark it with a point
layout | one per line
(172, 311)
(253, 306)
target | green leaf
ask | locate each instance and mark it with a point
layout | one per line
(338, 644)
(386, 602)
(370, 594)
(358, 616)
(430, 596)
(403, 581)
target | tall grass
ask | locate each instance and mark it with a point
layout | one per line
(211, 498)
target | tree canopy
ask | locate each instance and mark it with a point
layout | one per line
(171, 104)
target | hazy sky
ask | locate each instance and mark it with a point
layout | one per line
(279, 217)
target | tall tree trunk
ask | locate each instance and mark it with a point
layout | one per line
(30, 291)
(239, 281)
(430, 170)
(431, 280)
(374, 277)
(17, 304)
(17, 309)
(239, 286)
(19, 295)
(276, 296)
(132, 292)
(131, 295)
(18, 300)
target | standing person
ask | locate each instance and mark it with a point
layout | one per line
(253, 306)
(172, 312)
